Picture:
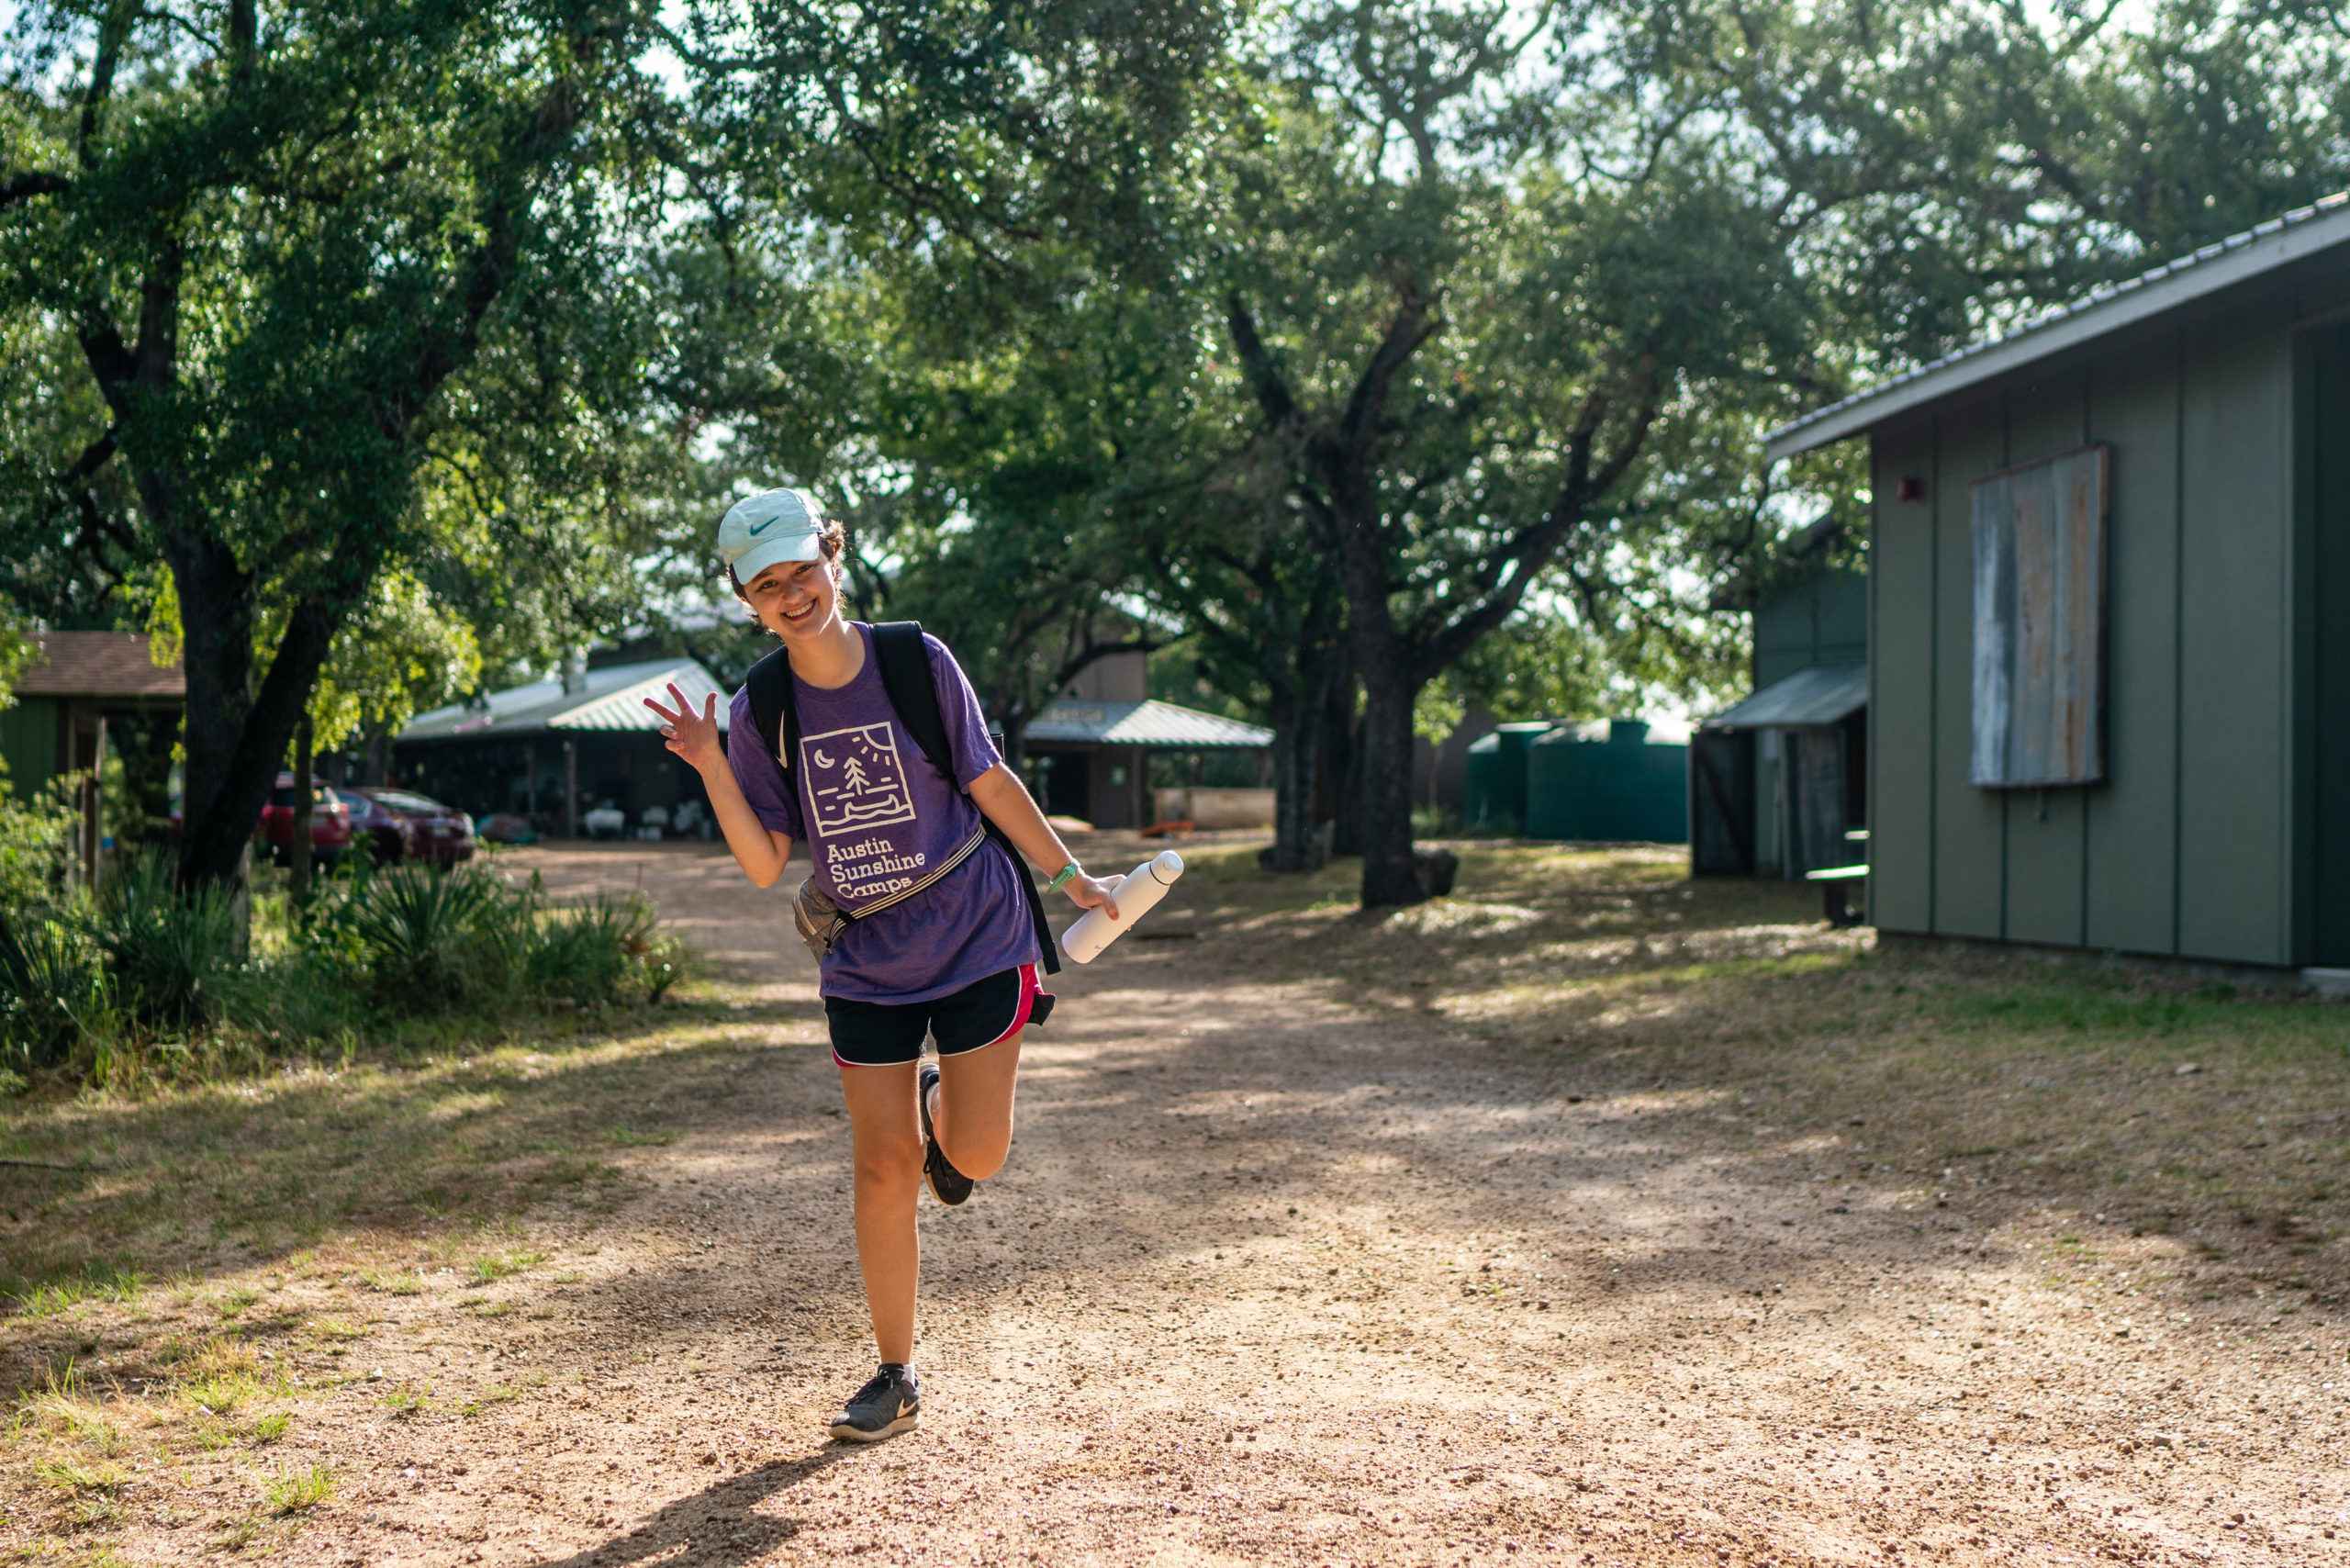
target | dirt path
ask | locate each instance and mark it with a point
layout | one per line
(1288, 1270)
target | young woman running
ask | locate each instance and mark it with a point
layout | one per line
(957, 959)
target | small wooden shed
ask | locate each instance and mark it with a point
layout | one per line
(71, 687)
(2109, 615)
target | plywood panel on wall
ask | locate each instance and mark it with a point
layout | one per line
(1901, 682)
(2234, 518)
(2131, 821)
(2043, 833)
(2039, 601)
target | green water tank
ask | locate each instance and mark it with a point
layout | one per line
(1496, 775)
(1619, 787)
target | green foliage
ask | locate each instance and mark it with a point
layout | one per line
(170, 952)
(324, 312)
(425, 940)
(150, 981)
(420, 940)
(36, 846)
(53, 991)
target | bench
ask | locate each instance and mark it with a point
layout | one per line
(1835, 881)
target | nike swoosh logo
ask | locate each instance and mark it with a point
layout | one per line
(903, 1407)
(763, 528)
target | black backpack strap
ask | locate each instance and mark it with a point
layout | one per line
(774, 711)
(905, 676)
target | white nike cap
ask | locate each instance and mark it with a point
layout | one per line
(774, 525)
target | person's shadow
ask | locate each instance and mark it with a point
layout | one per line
(715, 1526)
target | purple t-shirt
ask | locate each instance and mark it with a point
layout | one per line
(873, 812)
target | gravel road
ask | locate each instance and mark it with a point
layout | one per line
(1279, 1274)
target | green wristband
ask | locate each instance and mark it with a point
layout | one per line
(1062, 880)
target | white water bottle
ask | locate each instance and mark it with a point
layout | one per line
(1136, 892)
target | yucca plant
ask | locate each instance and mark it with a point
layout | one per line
(169, 948)
(424, 931)
(52, 989)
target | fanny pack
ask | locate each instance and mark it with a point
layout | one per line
(821, 921)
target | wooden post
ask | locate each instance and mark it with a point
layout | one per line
(571, 789)
(90, 752)
(297, 841)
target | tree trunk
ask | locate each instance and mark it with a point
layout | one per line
(1389, 873)
(1296, 710)
(1341, 768)
(236, 743)
(297, 841)
(216, 641)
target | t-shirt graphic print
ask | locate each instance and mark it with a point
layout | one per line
(875, 815)
(856, 780)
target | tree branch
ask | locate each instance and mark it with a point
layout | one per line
(30, 183)
(1257, 363)
(1413, 325)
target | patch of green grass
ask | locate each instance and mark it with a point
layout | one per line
(59, 1410)
(241, 1532)
(627, 1137)
(51, 1297)
(266, 1429)
(221, 1393)
(391, 1284)
(298, 1489)
(66, 1473)
(336, 1328)
(494, 1395)
(404, 1402)
(497, 1266)
(232, 1302)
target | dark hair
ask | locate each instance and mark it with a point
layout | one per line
(832, 539)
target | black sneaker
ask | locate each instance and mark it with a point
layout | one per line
(885, 1406)
(948, 1185)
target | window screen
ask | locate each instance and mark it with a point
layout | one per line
(2040, 621)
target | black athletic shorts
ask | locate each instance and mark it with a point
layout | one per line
(884, 1034)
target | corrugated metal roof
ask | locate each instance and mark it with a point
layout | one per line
(2302, 232)
(97, 664)
(1142, 723)
(610, 699)
(1824, 694)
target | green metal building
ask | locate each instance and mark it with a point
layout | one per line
(2109, 615)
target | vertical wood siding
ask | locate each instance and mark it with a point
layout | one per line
(2182, 845)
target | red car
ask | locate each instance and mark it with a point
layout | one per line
(400, 823)
(329, 823)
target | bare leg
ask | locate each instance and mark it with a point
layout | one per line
(886, 1132)
(971, 1109)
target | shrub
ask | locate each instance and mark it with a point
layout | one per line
(584, 954)
(170, 951)
(36, 847)
(423, 935)
(53, 991)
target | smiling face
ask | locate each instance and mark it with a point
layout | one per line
(796, 599)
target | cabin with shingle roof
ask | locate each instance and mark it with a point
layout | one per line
(73, 689)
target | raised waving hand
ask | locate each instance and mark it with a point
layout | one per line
(693, 736)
